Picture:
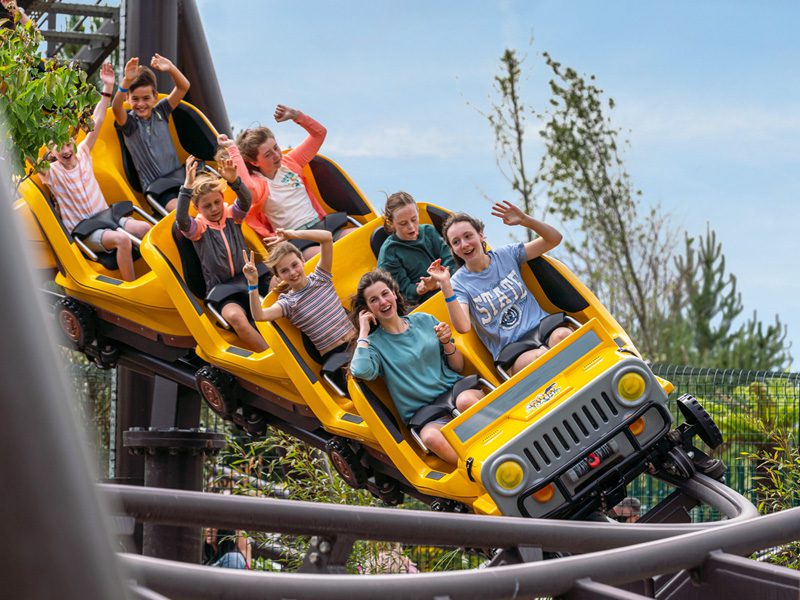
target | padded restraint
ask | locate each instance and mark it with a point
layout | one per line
(535, 338)
(190, 263)
(168, 181)
(106, 219)
(332, 222)
(376, 240)
(444, 405)
(333, 367)
(335, 189)
(556, 287)
(237, 286)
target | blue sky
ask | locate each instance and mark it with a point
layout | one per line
(708, 91)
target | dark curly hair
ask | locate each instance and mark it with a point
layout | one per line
(358, 302)
(461, 218)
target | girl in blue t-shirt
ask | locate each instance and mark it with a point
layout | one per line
(414, 353)
(488, 293)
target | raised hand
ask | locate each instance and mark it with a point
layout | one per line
(159, 63)
(438, 272)
(132, 69)
(510, 213)
(284, 113)
(425, 285)
(228, 170)
(107, 74)
(224, 141)
(191, 171)
(281, 235)
(250, 271)
(443, 332)
(365, 320)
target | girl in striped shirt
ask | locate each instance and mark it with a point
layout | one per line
(309, 301)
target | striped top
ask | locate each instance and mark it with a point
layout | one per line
(316, 310)
(77, 191)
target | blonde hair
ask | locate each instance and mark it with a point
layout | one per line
(393, 203)
(206, 183)
(276, 254)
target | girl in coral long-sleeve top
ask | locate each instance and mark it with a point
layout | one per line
(281, 199)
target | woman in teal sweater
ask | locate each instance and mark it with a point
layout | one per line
(410, 250)
(415, 354)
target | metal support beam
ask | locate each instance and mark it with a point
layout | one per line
(73, 8)
(328, 554)
(586, 589)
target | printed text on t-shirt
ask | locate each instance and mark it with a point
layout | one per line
(490, 303)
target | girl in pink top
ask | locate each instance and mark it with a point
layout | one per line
(281, 198)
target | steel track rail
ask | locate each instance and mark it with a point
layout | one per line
(176, 507)
(551, 577)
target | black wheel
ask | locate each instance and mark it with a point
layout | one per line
(346, 462)
(678, 463)
(218, 389)
(389, 491)
(107, 357)
(76, 321)
(702, 422)
(255, 423)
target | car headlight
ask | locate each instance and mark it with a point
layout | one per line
(509, 475)
(630, 386)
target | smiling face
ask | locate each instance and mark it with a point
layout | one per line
(291, 270)
(466, 242)
(211, 206)
(405, 222)
(143, 100)
(268, 159)
(66, 155)
(381, 301)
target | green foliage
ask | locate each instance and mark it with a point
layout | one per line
(507, 119)
(43, 100)
(706, 308)
(778, 482)
(622, 251)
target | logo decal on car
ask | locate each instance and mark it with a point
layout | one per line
(548, 394)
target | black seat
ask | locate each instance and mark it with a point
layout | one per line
(444, 405)
(376, 240)
(332, 222)
(237, 286)
(535, 338)
(106, 219)
(333, 369)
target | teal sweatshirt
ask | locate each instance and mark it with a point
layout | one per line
(411, 363)
(408, 261)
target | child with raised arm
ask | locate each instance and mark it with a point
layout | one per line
(414, 353)
(145, 127)
(217, 236)
(310, 301)
(488, 291)
(73, 183)
(281, 199)
(409, 251)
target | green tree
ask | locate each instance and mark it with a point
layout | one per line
(705, 311)
(620, 249)
(43, 100)
(507, 118)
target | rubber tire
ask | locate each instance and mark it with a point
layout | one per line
(255, 424)
(346, 463)
(682, 464)
(76, 322)
(218, 389)
(694, 414)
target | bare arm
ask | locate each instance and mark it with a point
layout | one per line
(459, 313)
(132, 71)
(99, 115)
(454, 358)
(322, 237)
(165, 65)
(549, 236)
(251, 274)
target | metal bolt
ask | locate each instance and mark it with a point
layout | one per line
(314, 558)
(325, 547)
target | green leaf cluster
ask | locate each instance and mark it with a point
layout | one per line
(43, 100)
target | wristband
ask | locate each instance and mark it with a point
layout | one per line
(122, 89)
(106, 94)
(451, 353)
(365, 340)
(450, 341)
(251, 288)
(450, 299)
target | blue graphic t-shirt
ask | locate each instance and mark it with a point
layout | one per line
(501, 308)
